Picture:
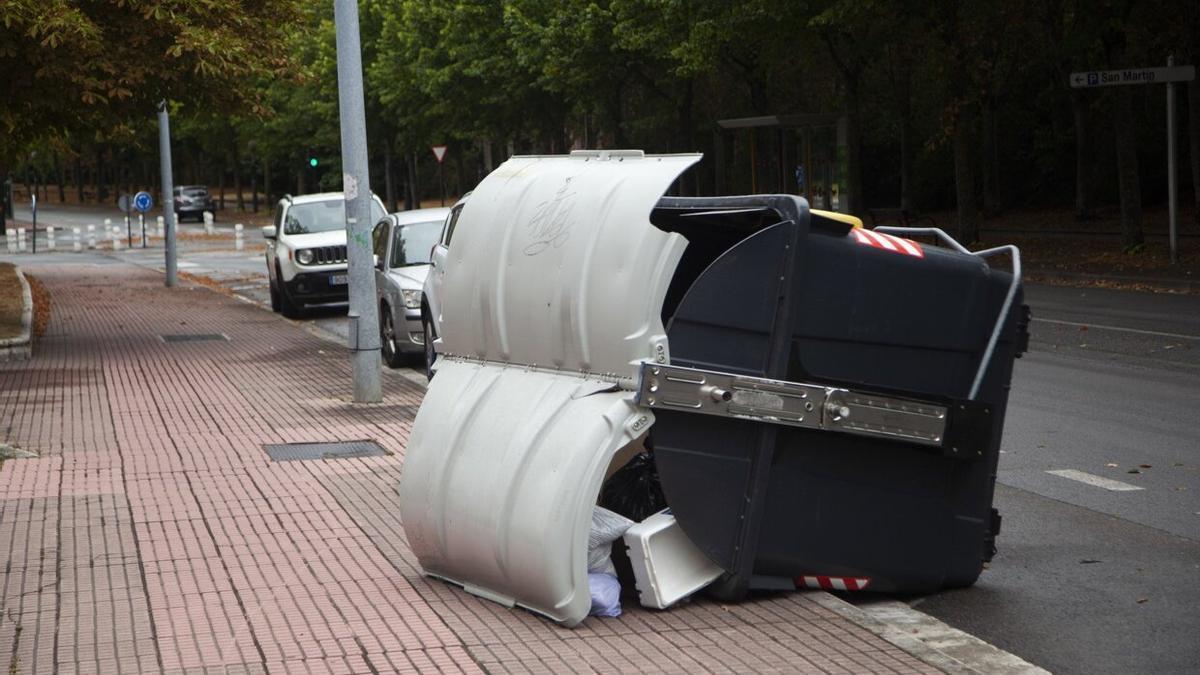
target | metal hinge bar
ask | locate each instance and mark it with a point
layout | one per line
(809, 406)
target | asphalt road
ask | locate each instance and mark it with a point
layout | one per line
(1088, 578)
(1098, 569)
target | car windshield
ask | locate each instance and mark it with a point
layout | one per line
(323, 216)
(195, 192)
(414, 242)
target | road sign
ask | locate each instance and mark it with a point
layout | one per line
(142, 201)
(123, 202)
(1172, 73)
(1110, 78)
(439, 151)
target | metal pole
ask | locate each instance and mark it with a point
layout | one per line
(128, 223)
(1172, 187)
(168, 187)
(35, 225)
(142, 224)
(356, 184)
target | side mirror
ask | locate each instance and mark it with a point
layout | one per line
(269, 232)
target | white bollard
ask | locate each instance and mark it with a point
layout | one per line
(76, 244)
(162, 226)
(91, 236)
(21, 239)
(116, 242)
(50, 243)
(10, 240)
(208, 222)
(238, 242)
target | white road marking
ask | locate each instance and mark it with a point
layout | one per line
(185, 264)
(1119, 329)
(247, 287)
(1095, 481)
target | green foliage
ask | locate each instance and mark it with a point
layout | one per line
(71, 66)
(256, 82)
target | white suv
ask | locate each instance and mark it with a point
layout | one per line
(306, 251)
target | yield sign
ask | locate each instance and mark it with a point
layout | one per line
(439, 151)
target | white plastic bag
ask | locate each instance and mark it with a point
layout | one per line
(606, 595)
(607, 527)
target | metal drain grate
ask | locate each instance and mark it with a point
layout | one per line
(193, 337)
(287, 452)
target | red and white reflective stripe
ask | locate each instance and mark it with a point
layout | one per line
(833, 583)
(887, 242)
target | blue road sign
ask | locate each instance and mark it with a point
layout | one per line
(142, 201)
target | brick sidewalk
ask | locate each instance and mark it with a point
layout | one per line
(154, 534)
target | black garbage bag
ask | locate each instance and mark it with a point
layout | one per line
(634, 491)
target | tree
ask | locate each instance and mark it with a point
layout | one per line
(77, 66)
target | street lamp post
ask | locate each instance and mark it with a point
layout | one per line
(364, 340)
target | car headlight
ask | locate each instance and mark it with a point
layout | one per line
(304, 256)
(412, 299)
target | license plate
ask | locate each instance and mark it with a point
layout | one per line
(337, 279)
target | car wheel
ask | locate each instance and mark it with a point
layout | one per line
(288, 307)
(430, 355)
(387, 338)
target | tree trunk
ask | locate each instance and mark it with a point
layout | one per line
(1128, 181)
(852, 192)
(300, 180)
(1083, 202)
(964, 183)
(115, 175)
(687, 136)
(254, 191)
(906, 164)
(78, 179)
(58, 178)
(239, 200)
(1194, 143)
(5, 181)
(458, 173)
(389, 178)
(221, 187)
(486, 144)
(991, 169)
(267, 182)
(414, 180)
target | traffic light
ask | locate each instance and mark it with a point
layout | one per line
(312, 161)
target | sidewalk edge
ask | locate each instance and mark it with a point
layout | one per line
(920, 649)
(21, 347)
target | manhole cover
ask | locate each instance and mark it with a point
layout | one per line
(193, 337)
(286, 452)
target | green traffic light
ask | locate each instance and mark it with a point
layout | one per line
(312, 161)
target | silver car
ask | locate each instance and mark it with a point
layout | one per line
(403, 242)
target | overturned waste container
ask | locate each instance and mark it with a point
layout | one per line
(824, 403)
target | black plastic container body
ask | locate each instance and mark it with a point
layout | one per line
(797, 298)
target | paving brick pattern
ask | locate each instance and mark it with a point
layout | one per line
(153, 533)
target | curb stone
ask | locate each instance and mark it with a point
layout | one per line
(21, 347)
(1157, 285)
(928, 639)
(13, 452)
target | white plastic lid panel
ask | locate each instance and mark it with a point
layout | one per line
(500, 477)
(554, 263)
